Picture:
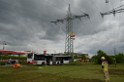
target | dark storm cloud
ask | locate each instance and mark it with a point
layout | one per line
(14, 27)
(25, 24)
(87, 26)
(20, 20)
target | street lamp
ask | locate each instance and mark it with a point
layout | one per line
(3, 43)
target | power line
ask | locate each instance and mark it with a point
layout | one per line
(114, 11)
(118, 9)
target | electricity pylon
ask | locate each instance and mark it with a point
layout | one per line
(70, 35)
(119, 9)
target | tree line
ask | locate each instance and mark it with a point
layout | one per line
(112, 59)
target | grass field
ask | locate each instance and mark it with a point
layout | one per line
(64, 73)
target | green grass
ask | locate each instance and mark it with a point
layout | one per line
(64, 73)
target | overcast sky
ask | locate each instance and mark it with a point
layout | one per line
(25, 25)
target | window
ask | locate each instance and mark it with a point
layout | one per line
(39, 57)
(30, 55)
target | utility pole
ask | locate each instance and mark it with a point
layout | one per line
(119, 9)
(115, 57)
(70, 35)
(3, 43)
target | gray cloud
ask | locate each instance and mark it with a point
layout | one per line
(25, 25)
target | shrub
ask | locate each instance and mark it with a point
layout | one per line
(2, 63)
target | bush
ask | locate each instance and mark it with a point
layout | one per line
(13, 57)
(119, 58)
(2, 63)
(97, 58)
(22, 60)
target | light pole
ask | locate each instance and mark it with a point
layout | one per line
(4, 43)
(115, 57)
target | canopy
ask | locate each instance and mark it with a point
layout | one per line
(6, 52)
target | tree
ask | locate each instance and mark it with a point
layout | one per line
(101, 53)
(94, 58)
(119, 58)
